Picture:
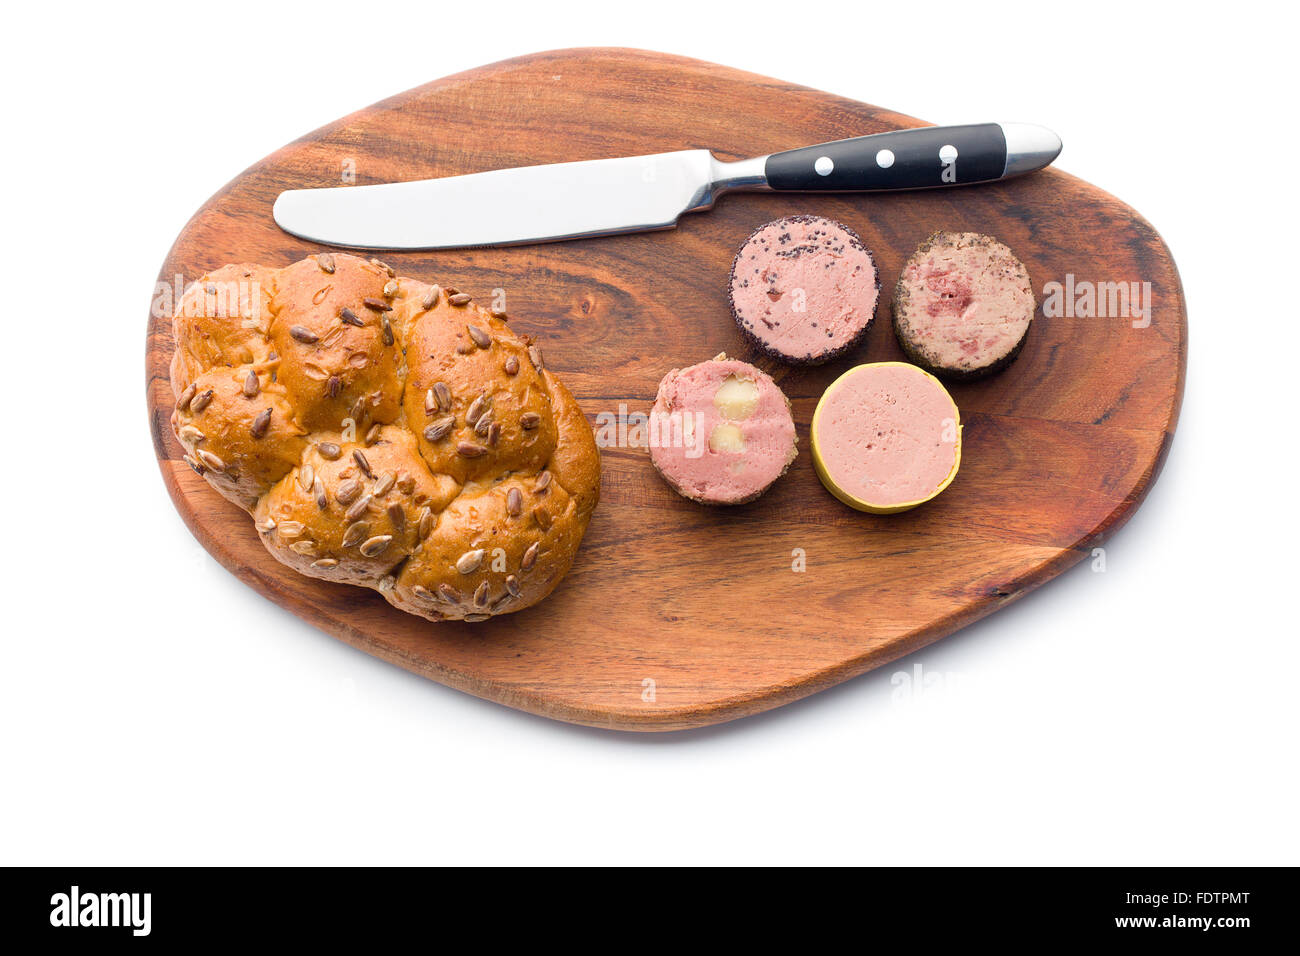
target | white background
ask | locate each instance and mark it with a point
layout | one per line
(155, 710)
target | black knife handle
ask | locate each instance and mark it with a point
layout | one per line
(903, 159)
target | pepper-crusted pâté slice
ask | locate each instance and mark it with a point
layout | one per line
(804, 289)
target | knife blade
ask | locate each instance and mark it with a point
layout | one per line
(641, 193)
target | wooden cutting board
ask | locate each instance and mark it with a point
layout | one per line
(677, 615)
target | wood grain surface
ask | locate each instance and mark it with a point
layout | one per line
(706, 603)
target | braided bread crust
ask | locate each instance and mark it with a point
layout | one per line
(384, 432)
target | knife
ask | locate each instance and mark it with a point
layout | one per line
(604, 197)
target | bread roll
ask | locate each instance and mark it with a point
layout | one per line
(384, 432)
